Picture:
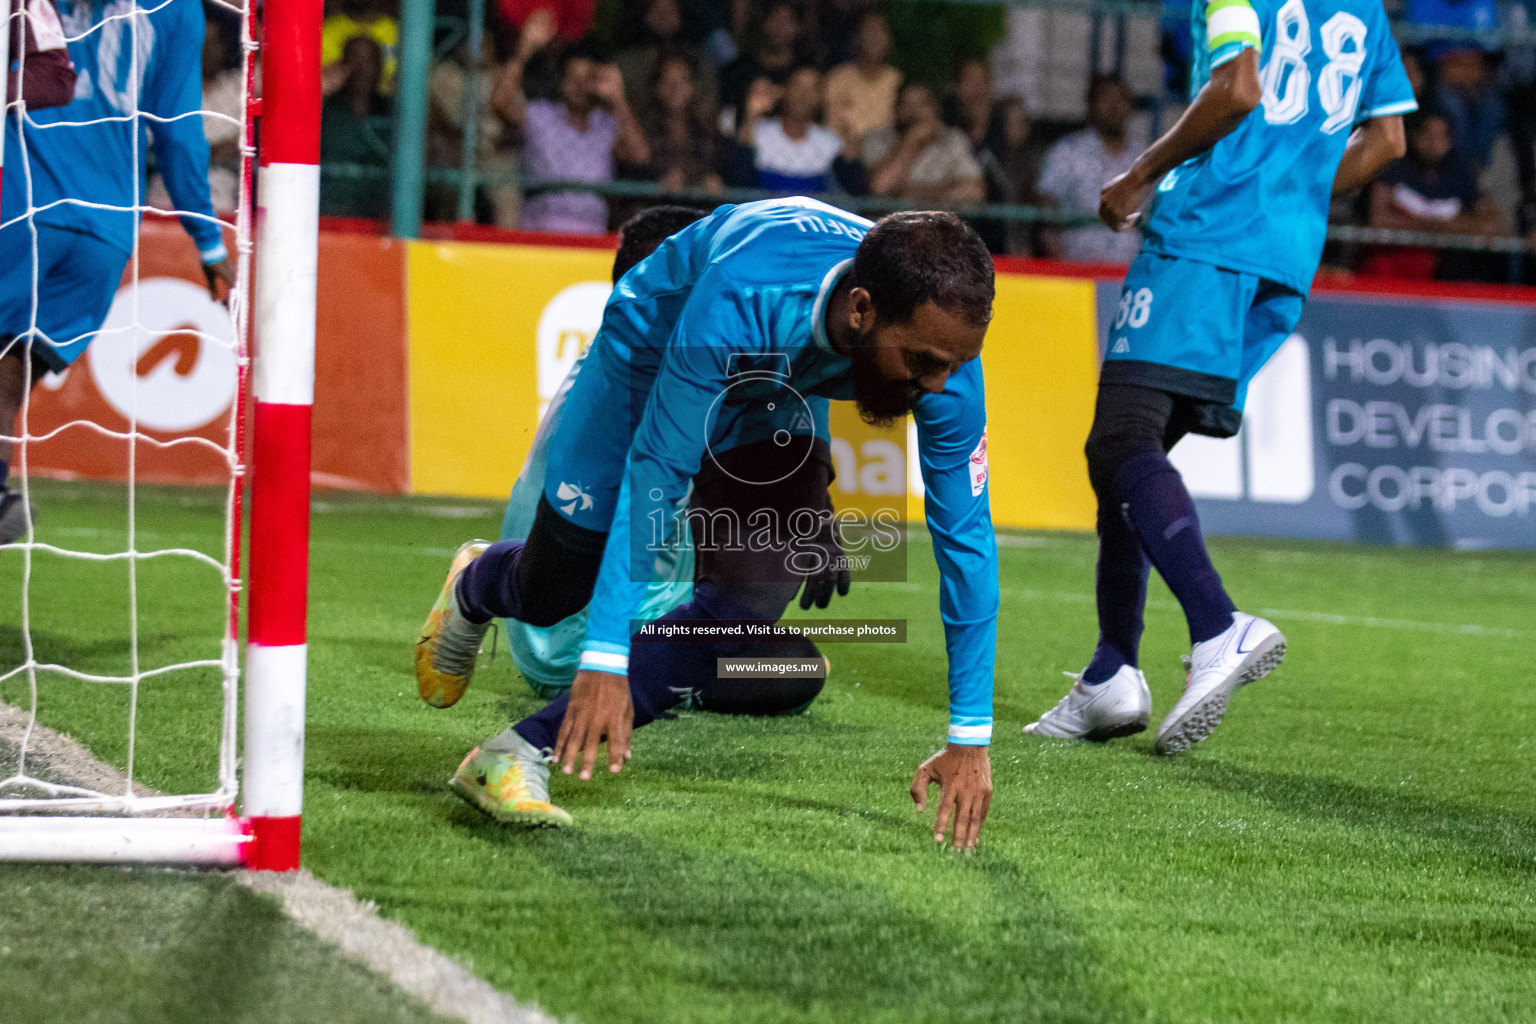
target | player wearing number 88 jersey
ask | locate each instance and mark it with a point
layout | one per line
(1295, 101)
(1257, 201)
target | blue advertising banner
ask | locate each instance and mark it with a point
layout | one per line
(1383, 420)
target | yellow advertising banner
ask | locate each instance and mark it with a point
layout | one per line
(494, 329)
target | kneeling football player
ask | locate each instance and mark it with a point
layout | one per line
(713, 368)
(548, 656)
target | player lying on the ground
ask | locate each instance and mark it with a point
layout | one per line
(1243, 182)
(84, 152)
(894, 320)
(40, 73)
(548, 656)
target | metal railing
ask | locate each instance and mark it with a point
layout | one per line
(874, 205)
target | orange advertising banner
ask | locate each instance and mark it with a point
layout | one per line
(166, 352)
(177, 369)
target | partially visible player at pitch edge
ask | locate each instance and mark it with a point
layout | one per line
(153, 67)
(1242, 182)
(891, 316)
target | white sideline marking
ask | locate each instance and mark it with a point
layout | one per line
(335, 915)
(355, 927)
(1326, 618)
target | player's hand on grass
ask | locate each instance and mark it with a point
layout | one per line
(1121, 200)
(600, 711)
(964, 775)
(221, 279)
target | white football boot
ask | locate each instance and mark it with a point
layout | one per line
(1119, 706)
(1249, 650)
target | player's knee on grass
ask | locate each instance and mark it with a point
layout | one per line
(764, 697)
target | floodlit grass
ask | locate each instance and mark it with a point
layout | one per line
(1356, 843)
(108, 945)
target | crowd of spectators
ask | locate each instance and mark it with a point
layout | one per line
(806, 97)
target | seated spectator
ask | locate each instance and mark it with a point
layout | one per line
(1013, 169)
(1464, 88)
(920, 157)
(972, 108)
(774, 50)
(355, 137)
(576, 137)
(357, 18)
(659, 34)
(1078, 166)
(837, 29)
(790, 153)
(861, 95)
(684, 150)
(495, 145)
(1432, 189)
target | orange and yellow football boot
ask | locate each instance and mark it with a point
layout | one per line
(450, 643)
(511, 786)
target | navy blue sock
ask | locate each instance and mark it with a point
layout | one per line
(541, 727)
(1121, 593)
(661, 676)
(664, 674)
(488, 587)
(1162, 513)
(5, 473)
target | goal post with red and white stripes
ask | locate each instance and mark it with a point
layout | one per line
(252, 817)
(283, 389)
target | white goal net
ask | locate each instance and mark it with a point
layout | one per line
(120, 599)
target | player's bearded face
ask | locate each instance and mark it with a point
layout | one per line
(880, 398)
(894, 364)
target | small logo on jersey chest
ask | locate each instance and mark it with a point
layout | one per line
(1121, 345)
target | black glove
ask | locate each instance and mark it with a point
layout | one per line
(819, 586)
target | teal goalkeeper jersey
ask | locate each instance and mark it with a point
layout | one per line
(749, 285)
(1257, 201)
(83, 164)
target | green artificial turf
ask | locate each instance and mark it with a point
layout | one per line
(113, 946)
(1356, 843)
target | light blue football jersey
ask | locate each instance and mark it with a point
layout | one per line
(82, 163)
(748, 286)
(1257, 201)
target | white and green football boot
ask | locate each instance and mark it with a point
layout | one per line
(510, 784)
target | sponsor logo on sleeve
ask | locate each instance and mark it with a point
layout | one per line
(979, 466)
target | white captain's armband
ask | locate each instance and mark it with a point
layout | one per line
(1229, 22)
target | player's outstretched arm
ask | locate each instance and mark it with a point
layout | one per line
(1374, 144)
(173, 95)
(1231, 95)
